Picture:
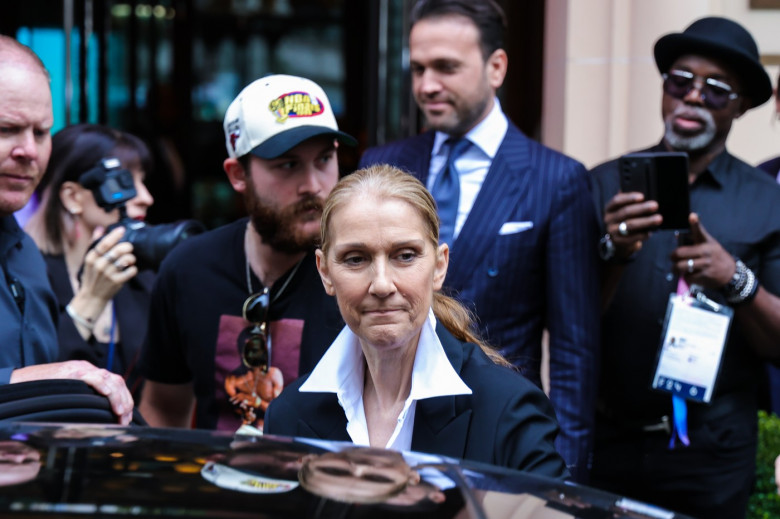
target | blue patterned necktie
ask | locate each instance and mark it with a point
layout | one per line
(446, 191)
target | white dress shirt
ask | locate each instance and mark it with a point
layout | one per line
(474, 163)
(342, 370)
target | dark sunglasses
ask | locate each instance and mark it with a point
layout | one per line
(714, 93)
(256, 352)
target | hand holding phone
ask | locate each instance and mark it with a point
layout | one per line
(663, 177)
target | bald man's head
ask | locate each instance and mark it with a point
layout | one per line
(26, 120)
(14, 53)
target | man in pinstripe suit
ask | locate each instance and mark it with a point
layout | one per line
(524, 249)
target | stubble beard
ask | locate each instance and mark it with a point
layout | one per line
(462, 120)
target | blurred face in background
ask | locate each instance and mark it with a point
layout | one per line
(79, 200)
(452, 82)
(690, 125)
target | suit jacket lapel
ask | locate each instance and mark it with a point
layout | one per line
(417, 156)
(497, 199)
(325, 420)
(440, 424)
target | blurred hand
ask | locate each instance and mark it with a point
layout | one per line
(777, 473)
(108, 384)
(712, 265)
(107, 266)
(638, 217)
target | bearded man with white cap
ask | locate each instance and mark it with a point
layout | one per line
(240, 312)
(686, 438)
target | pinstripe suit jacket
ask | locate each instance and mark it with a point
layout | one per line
(542, 277)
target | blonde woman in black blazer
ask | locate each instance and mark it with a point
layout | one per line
(381, 259)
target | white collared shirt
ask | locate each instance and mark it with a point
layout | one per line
(474, 163)
(342, 370)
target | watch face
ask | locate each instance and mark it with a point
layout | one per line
(606, 247)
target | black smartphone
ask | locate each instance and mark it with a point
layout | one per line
(663, 177)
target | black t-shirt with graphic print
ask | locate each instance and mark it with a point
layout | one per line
(196, 328)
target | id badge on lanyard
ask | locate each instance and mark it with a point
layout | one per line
(693, 340)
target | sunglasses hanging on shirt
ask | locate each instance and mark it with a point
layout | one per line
(256, 352)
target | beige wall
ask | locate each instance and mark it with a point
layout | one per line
(602, 94)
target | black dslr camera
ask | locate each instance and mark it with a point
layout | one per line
(112, 186)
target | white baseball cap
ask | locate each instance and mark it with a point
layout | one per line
(275, 113)
(230, 478)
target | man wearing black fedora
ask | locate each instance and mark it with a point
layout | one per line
(678, 428)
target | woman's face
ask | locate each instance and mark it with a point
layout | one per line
(94, 216)
(383, 270)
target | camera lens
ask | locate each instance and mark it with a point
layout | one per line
(151, 243)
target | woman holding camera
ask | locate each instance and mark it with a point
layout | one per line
(103, 300)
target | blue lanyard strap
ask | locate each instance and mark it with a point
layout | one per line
(680, 423)
(112, 340)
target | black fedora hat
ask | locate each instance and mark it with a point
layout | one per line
(726, 41)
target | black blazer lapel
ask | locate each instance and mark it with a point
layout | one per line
(324, 419)
(497, 199)
(439, 429)
(441, 424)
